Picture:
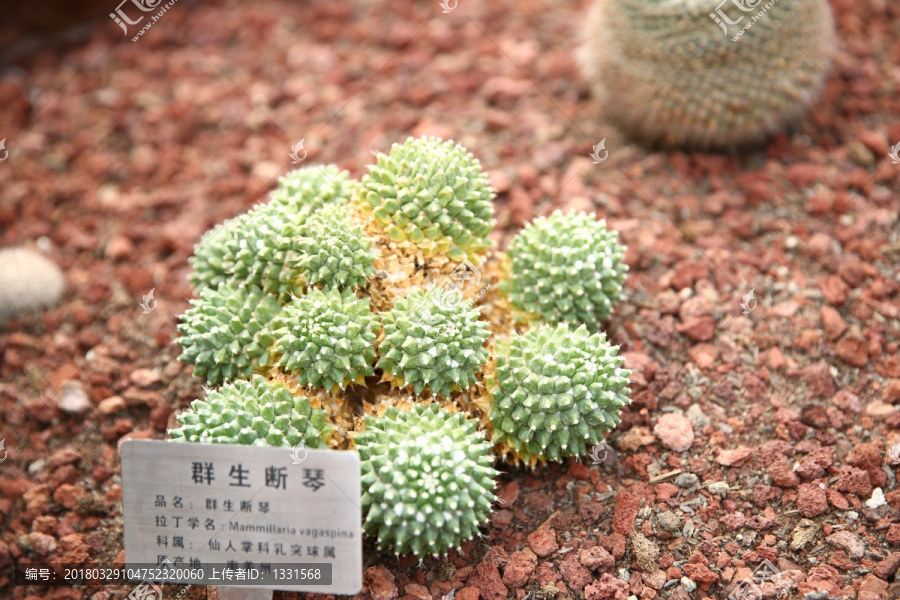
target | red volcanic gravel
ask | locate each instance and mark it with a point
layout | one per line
(759, 431)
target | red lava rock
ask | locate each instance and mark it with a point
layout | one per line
(699, 573)
(886, 568)
(872, 588)
(42, 544)
(576, 575)
(782, 475)
(625, 513)
(853, 350)
(467, 593)
(380, 583)
(893, 535)
(111, 405)
(606, 588)
(418, 591)
(867, 457)
(818, 378)
(854, 481)
(614, 544)
(733, 458)
(597, 559)
(811, 500)
(838, 500)
(832, 322)
(145, 378)
(849, 542)
(486, 577)
(15, 488)
(521, 565)
(699, 329)
(543, 541)
(66, 495)
(674, 432)
(502, 519)
(508, 494)
(834, 289)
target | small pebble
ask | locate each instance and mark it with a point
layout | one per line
(73, 399)
(686, 480)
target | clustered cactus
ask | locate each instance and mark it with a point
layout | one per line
(702, 74)
(380, 321)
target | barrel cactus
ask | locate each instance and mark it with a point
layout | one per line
(432, 193)
(567, 268)
(433, 340)
(427, 479)
(375, 317)
(556, 391)
(253, 413)
(706, 73)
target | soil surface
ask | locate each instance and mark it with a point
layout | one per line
(761, 427)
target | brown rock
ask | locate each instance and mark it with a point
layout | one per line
(733, 458)
(699, 329)
(853, 350)
(811, 500)
(67, 495)
(867, 457)
(508, 494)
(848, 542)
(818, 377)
(782, 475)
(42, 544)
(468, 593)
(886, 568)
(893, 535)
(145, 378)
(522, 564)
(597, 559)
(699, 573)
(111, 405)
(832, 322)
(576, 575)
(624, 513)
(543, 541)
(854, 481)
(674, 432)
(486, 577)
(417, 591)
(606, 588)
(380, 583)
(645, 551)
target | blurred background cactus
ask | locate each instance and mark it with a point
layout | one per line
(28, 282)
(387, 312)
(706, 73)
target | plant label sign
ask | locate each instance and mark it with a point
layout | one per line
(272, 518)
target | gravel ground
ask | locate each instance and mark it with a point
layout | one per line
(761, 430)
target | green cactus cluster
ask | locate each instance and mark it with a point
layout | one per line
(707, 74)
(427, 477)
(433, 340)
(567, 268)
(254, 413)
(342, 314)
(557, 391)
(432, 193)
